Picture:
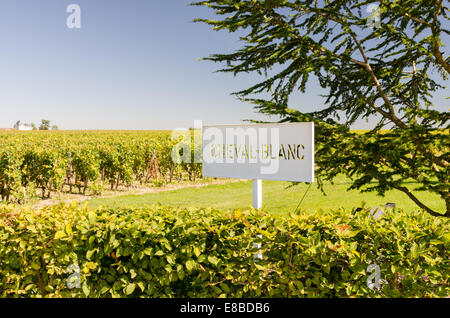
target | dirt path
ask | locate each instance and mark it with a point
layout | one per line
(132, 190)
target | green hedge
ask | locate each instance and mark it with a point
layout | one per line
(167, 252)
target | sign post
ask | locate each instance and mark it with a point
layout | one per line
(257, 194)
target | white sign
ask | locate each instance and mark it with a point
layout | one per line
(260, 151)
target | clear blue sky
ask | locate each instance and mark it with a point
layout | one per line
(133, 65)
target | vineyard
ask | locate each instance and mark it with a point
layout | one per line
(48, 162)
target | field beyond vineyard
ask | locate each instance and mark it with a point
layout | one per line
(278, 198)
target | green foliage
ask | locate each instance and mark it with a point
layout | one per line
(167, 252)
(386, 72)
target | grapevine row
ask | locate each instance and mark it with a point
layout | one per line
(54, 161)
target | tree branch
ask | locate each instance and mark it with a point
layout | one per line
(420, 204)
(317, 47)
(406, 14)
(383, 95)
(371, 104)
(366, 66)
(437, 54)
